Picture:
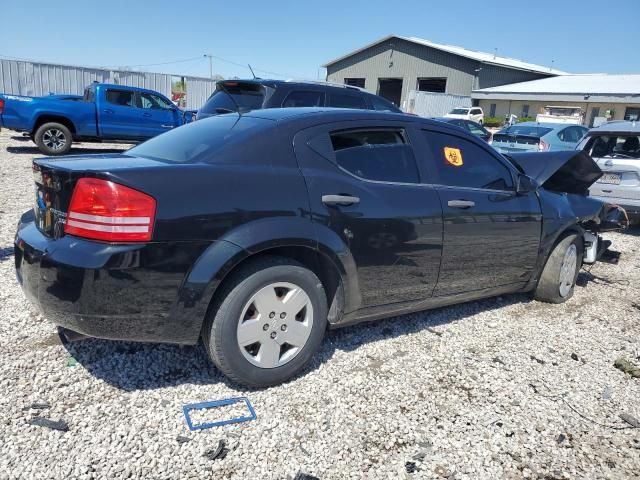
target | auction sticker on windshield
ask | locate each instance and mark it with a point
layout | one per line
(611, 178)
(453, 156)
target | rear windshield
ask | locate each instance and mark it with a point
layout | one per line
(460, 111)
(613, 146)
(198, 142)
(529, 131)
(246, 96)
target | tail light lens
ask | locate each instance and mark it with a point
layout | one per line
(543, 146)
(104, 210)
(1, 105)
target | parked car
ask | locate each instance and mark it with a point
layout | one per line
(538, 137)
(110, 113)
(246, 95)
(475, 114)
(615, 146)
(561, 114)
(474, 128)
(280, 223)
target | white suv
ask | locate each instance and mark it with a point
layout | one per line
(616, 148)
(474, 114)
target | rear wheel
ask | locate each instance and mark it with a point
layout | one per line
(268, 322)
(558, 278)
(53, 138)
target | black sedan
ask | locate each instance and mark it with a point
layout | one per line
(256, 232)
(469, 126)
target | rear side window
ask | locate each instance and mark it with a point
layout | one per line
(338, 100)
(304, 99)
(122, 98)
(461, 163)
(380, 154)
(572, 134)
(229, 96)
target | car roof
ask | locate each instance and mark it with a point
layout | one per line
(617, 126)
(292, 83)
(281, 114)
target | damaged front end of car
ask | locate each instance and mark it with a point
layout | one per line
(564, 179)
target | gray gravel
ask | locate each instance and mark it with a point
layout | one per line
(502, 388)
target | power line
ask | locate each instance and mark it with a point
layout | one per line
(161, 63)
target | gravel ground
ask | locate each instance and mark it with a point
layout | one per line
(502, 388)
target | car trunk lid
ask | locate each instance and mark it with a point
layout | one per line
(55, 180)
(620, 179)
(515, 143)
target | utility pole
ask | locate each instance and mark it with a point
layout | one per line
(210, 57)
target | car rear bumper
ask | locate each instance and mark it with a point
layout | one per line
(632, 207)
(116, 292)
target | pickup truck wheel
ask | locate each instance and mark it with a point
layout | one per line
(53, 139)
(558, 278)
(268, 322)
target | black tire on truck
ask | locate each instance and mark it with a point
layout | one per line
(558, 278)
(53, 138)
(267, 323)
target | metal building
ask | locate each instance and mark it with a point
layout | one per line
(395, 65)
(37, 79)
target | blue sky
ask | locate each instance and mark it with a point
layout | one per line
(293, 38)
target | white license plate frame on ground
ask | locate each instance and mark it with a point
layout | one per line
(610, 178)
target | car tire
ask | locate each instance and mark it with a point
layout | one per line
(558, 278)
(256, 296)
(53, 138)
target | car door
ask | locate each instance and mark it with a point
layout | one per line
(491, 234)
(156, 114)
(118, 115)
(364, 185)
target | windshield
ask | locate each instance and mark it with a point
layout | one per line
(459, 111)
(528, 130)
(614, 146)
(198, 141)
(231, 95)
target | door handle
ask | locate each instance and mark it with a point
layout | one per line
(146, 114)
(166, 126)
(461, 203)
(108, 110)
(341, 200)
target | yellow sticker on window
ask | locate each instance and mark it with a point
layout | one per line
(453, 156)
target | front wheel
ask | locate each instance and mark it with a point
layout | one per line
(53, 138)
(268, 322)
(558, 278)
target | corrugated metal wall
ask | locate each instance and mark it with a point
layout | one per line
(427, 104)
(397, 58)
(37, 79)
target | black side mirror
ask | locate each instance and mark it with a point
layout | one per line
(526, 184)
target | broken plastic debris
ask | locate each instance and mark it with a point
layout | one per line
(37, 406)
(186, 409)
(633, 421)
(304, 476)
(72, 362)
(60, 425)
(182, 439)
(219, 452)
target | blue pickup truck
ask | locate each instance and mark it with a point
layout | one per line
(105, 113)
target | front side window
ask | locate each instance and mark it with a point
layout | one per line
(122, 98)
(461, 163)
(338, 100)
(377, 154)
(304, 99)
(154, 102)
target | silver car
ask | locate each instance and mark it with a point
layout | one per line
(615, 146)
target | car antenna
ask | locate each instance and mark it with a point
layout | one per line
(254, 75)
(224, 89)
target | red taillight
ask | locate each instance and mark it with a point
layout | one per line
(105, 210)
(1, 105)
(543, 146)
